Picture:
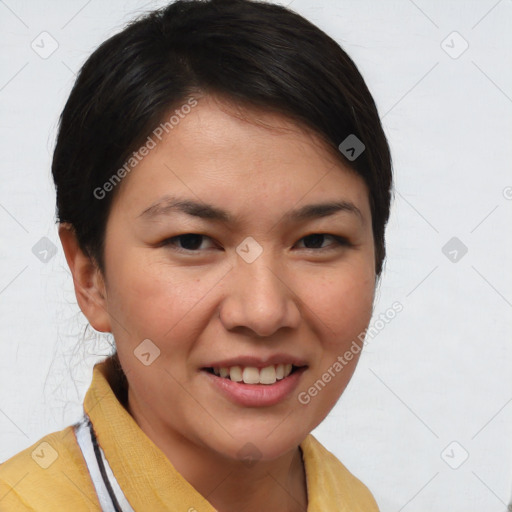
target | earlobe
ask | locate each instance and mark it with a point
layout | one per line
(90, 289)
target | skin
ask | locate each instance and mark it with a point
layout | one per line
(207, 304)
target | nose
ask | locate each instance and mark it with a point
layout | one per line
(259, 298)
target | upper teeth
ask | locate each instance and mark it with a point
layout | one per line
(252, 375)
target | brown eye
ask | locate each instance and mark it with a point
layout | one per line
(189, 242)
(316, 240)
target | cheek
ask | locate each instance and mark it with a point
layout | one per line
(343, 302)
(342, 307)
(154, 299)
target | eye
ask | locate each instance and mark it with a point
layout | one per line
(315, 241)
(190, 242)
(193, 242)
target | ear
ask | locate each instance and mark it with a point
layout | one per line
(88, 280)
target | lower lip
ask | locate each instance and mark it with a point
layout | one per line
(256, 395)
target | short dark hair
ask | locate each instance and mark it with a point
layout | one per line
(252, 53)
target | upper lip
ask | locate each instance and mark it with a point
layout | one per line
(257, 362)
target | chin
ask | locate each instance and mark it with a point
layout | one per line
(266, 446)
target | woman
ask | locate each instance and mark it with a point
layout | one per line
(223, 186)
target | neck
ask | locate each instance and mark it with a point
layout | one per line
(271, 486)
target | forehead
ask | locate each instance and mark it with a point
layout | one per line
(223, 153)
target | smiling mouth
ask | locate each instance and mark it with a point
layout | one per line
(251, 375)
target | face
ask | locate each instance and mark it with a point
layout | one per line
(215, 257)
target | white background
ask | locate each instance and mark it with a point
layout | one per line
(440, 371)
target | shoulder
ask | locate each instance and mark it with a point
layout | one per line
(330, 483)
(47, 476)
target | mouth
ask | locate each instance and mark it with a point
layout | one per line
(253, 386)
(266, 376)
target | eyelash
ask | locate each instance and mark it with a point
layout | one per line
(339, 242)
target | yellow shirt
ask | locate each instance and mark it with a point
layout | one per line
(52, 476)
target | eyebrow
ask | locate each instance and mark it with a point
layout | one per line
(168, 205)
